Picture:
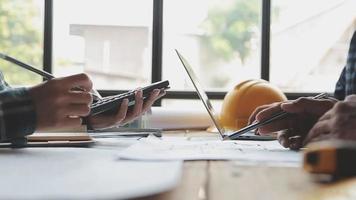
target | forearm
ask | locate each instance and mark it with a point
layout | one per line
(17, 114)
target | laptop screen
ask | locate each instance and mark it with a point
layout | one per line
(202, 94)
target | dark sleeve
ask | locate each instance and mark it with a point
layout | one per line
(346, 84)
(17, 114)
(340, 88)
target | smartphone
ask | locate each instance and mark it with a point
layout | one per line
(111, 103)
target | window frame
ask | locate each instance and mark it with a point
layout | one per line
(157, 45)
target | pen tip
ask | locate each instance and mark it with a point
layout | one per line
(226, 138)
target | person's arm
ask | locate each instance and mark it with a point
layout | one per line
(17, 114)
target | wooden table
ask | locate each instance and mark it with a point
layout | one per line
(220, 180)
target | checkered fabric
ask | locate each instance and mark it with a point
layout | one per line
(346, 84)
(17, 112)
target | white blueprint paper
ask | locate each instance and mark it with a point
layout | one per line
(168, 149)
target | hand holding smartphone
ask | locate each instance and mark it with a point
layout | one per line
(111, 103)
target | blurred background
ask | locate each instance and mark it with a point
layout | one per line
(113, 41)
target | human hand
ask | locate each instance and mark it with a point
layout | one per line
(304, 112)
(58, 105)
(338, 123)
(123, 114)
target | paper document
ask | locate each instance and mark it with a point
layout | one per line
(167, 149)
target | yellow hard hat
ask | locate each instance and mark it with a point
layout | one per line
(243, 99)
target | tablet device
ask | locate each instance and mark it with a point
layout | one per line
(111, 103)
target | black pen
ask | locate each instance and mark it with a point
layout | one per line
(277, 116)
(44, 74)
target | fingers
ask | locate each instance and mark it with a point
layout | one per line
(345, 107)
(283, 138)
(277, 125)
(320, 128)
(121, 114)
(137, 107)
(153, 97)
(79, 80)
(75, 104)
(76, 97)
(274, 126)
(326, 116)
(295, 142)
(308, 105)
(342, 107)
(268, 112)
(142, 106)
(161, 93)
(290, 139)
(76, 110)
(351, 98)
(252, 117)
(105, 121)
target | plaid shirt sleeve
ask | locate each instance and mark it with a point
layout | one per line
(17, 112)
(346, 84)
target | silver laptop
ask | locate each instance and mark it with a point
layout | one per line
(207, 104)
